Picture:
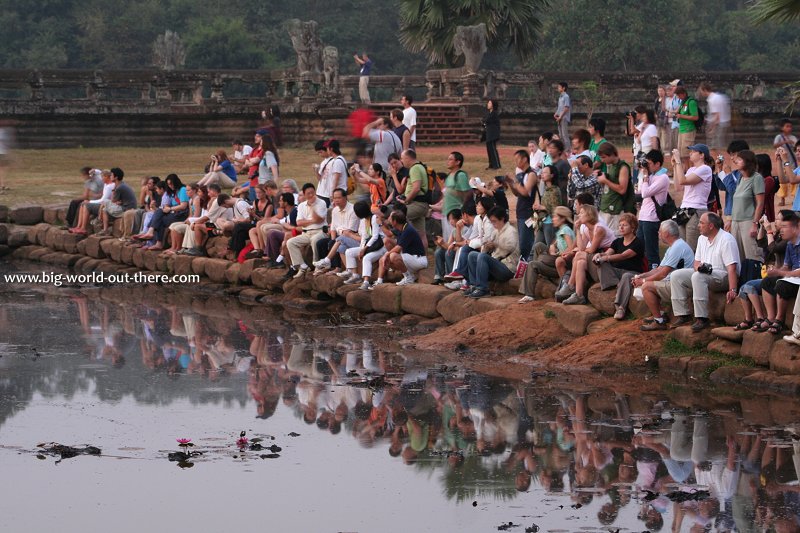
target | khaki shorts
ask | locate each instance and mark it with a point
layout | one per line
(662, 289)
(685, 140)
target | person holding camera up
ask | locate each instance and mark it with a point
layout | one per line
(716, 268)
(696, 184)
(220, 171)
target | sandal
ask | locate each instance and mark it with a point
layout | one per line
(743, 325)
(775, 327)
(761, 326)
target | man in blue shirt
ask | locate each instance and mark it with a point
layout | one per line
(408, 255)
(788, 174)
(727, 180)
(363, 81)
(781, 284)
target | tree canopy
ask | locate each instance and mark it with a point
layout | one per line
(554, 35)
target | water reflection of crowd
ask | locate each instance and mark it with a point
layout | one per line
(484, 434)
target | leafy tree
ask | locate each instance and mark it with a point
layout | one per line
(233, 46)
(428, 26)
(776, 10)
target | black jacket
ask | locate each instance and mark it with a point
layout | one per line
(491, 125)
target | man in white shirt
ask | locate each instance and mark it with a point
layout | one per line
(241, 152)
(342, 234)
(671, 105)
(718, 120)
(410, 118)
(716, 250)
(239, 209)
(384, 140)
(333, 172)
(311, 215)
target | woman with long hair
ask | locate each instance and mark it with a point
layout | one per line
(491, 134)
(220, 171)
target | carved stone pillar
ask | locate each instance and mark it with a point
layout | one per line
(217, 88)
(472, 87)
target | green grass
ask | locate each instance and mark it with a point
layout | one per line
(549, 314)
(674, 348)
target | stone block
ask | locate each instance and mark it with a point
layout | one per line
(81, 247)
(699, 366)
(91, 265)
(4, 231)
(138, 257)
(246, 269)
(422, 300)
(53, 239)
(199, 266)
(730, 374)
(729, 334)
(23, 252)
(182, 265)
(33, 232)
(327, 283)
(27, 216)
(116, 250)
(505, 288)
(734, 313)
(717, 306)
(545, 289)
(687, 337)
(386, 298)
(54, 214)
(784, 358)
(602, 325)
(455, 307)
(756, 346)
(638, 308)
(675, 365)
(602, 300)
(251, 296)
(360, 300)
(105, 245)
(233, 274)
(17, 237)
(268, 278)
(574, 318)
(216, 268)
(729, 348)
(66, 260)
(38, 253)
(150, 260)
(3, 213)
(94, 248)
(5, 250)
(48, 257)
(344, 290)
(116, 228)
(126, 254)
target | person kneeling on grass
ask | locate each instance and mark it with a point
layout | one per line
(498, 258)
(408, 255)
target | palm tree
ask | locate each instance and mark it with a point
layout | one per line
(428, 26)
(775, 10)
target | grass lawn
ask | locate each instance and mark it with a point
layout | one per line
(52, 177)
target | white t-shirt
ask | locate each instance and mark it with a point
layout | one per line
(720, 253)
(327, 183)
(304, 212)
(410, 119)
(108, 192)
(649, 133)
(536, 159)
(244, 152)
(342, 219)
(718, 103)
(241, 209)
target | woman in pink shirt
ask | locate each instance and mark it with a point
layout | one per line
(696, 184)
(654, 187)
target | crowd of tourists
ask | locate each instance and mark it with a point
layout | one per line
(666, 219)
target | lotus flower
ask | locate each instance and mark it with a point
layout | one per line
(242, 442)
(184, 442)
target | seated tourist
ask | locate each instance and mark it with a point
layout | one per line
(498, 258)
(445, 253)
(133, 218)
(482, 232)
(624, 256)
(275, 238)
(176, 211)
(716, 268)
(781, 284)
(408, 255)
(240, 152)
(122, 200)
(342, 234)
(210, 222)
(543, 260)
(92, 190)
(220, 171)
(90, 209)
(260, 209)
(564, 259)
(593, 237)
(198, 199)
(370, 249)
(311, 216)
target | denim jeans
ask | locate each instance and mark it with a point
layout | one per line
(484, 267)
(648, 234)
(526, 238)
(444, 262)
(463, 262)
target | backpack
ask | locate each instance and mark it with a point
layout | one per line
(701, 116)
(428, 189)
(713, 201)
(666, 210)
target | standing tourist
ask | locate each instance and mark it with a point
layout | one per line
(686, 116)
(491, 134)
(696, 184)
(563, 114)
(410, 118)
(363, 76)
(784, 139)
(718, 121)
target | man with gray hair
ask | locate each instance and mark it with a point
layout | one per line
(716, 268)
(655, 283)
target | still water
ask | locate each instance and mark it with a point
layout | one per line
(346, 434)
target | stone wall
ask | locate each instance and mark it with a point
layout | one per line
(150, 107)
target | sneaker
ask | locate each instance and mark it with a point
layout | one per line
(322, 263)
(700, 324)
(292, 272)
(437, 281)
(655, 325)
(681, 320)
(301, 271)
(565, 291)
(526, 299)
(365, 286)
(345, 274)
(453, 276)
(620, 312)
(278, 264)
(196, 252)
(479, 293)
(254, 254)
(466, 291)
(354, 279)
(575, 299)
(453, 285)
(791, 339)
(407, 280)
(320, 271)
(378, 283)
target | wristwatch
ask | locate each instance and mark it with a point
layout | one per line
(787, 164)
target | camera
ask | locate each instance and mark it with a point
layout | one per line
(704, 268)
(721, 158)
(631, 114)
(641, 159)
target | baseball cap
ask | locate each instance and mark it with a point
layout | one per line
(676, 82)
(701, 148)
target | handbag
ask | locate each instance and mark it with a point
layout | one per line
(522, 266)
(666, 210)
(375, 246)
(681, 216)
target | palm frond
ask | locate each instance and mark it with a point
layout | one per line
(764, 11)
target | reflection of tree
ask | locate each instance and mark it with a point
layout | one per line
(473, 478)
